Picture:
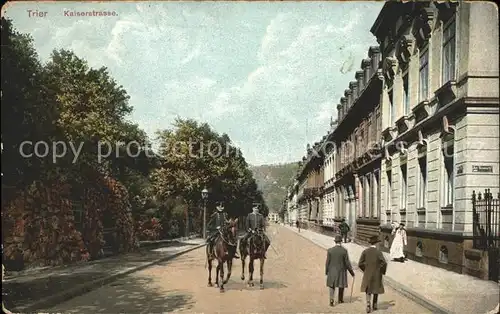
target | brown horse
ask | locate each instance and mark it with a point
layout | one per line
(256, 249)
(223, 251)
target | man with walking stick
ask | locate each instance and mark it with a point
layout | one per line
(374, 266)
(337, 265)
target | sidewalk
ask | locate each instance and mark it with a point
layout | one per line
(439, 290)
(42, 288)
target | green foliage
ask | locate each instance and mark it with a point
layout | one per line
(29, 110)
(193, 156)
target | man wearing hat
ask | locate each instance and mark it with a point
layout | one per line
(337, 265)
(344, 229)
(255, 222)
(373, 265)
(219, 219)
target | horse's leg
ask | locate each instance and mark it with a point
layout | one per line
(210, 273)
(217, 270)
(262, 273)
(250, 272)
(229, 267)
(243, 258)
(221, 270)
(209, 262)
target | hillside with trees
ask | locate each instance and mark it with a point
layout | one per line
(273, 181)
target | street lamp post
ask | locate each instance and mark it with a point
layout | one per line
(204, 196)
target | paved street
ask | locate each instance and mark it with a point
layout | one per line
(294, 283)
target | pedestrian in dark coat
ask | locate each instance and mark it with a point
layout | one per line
(344, 229)
(373, 265)
(337, 265)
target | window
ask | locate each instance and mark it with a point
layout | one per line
(443, 255)
(449, 173)
(371, 190)
(364, 195)
(424, 75)
(404, 186)
(448, 56)
(406, 96)
(391, 108)
(389, 191)
(377, 194)
(419, 249)
(422, 181)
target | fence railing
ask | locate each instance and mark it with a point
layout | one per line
(486, 220)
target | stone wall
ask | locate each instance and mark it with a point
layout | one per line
(475, 263)
(365, 229)
(426, 246)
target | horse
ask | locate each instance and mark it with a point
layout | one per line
(256, 249)
(223, 251)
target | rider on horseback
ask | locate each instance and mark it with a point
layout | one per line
(220, 219)
(255, 223)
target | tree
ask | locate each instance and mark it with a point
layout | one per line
(29, 109)
(194, 156)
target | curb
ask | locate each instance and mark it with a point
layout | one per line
(87, 287)
(401, 289)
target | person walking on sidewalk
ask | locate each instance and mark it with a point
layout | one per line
(374, 266)
(337, 265)
(297, 225)
(398, 243)
(344, 229)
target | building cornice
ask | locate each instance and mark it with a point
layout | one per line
(375, 82)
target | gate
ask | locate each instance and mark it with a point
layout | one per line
(486, 229)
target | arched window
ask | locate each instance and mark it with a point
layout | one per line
(443, 255)
(419, 249)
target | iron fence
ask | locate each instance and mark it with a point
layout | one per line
(486, 220)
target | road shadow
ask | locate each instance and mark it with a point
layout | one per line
(30, 290)
(385, 305)
(242, 285)
(129, 295)
(32, 287)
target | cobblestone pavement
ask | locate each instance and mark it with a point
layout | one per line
(294, 283)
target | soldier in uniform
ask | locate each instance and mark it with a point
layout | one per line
(255, 222)
(219, 219)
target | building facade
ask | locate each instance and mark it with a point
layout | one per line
(273, 217)
(292, 207)
(440, 121)
(310, 192)
(328, 151)
(357, 150)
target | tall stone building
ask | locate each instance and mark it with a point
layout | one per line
(328, 151)
(440, 121)
(357, 141)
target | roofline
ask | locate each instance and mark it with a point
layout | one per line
(376, 25)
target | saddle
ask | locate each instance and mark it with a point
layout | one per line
(256, 241)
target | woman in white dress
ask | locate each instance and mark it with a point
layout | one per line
(398, 244)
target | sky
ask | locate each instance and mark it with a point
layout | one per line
(268, 74)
